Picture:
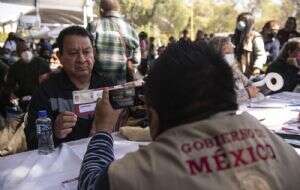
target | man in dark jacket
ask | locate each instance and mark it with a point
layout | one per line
(24, 76)
(289, 31)
(55, 95)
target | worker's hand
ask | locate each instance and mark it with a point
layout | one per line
(105, 117)
(64, 124)
(252, 91)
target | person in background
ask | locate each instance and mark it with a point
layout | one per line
(11, 42)
(206, 37)
(8, 53)
(185, 36)
(55, 95)
(45, 49)
(3, 73)
(171, 41)
(23, 77)
(249, 46)
(152, 50)
(289, 31)
(272, 44)
(5, 56)
(199, 141)
(144, 46)
(200, 37)
(55, 64)
(91, 28)
(242, 85)
(161, 50)
(287, 65)
(117, 45)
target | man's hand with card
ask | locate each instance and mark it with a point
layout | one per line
(64, 124)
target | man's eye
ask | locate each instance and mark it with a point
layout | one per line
(87, 50)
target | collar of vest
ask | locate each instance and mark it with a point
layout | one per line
(195, 123)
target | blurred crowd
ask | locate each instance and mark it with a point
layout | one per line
(24, 65)
(192, 89)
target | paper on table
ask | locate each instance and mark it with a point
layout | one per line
(290, 97)
(121, 148)
(292, 126)
(71, 184)
(268, 103)
(37, 169)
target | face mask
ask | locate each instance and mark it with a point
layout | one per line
(26, 56)
(241, 25)
(54, 66)
(229, 58)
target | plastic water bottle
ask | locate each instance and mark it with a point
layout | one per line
(44, 133)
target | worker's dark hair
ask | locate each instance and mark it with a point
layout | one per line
(189, 82)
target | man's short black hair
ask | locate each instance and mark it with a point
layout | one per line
(69, 31)
(189, 82)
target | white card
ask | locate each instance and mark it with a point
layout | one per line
(86, 96)
(87, 107)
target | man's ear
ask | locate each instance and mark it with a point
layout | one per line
(94, 51)
(59, 56)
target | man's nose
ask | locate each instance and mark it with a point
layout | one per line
(81, 57)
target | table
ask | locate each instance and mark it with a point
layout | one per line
(30, 171)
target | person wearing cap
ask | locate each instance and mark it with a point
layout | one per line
(117, 45)
(45, 49)
(199, 140)
(55, 94)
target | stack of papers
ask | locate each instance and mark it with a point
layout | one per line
(280, 100)
(292, 126)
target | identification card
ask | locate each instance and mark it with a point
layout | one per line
(85, 101)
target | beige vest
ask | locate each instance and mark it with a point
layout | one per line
(227, 151)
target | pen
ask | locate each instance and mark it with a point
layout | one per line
(70, 180)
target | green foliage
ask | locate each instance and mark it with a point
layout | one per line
(271, 11)
(3, 36)
(163, 18)
(211, 17)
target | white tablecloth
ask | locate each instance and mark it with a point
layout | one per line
(276, 110)
(30, 171)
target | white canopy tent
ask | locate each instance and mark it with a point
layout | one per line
(53, 13)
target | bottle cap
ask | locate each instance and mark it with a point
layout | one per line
(42, 113)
